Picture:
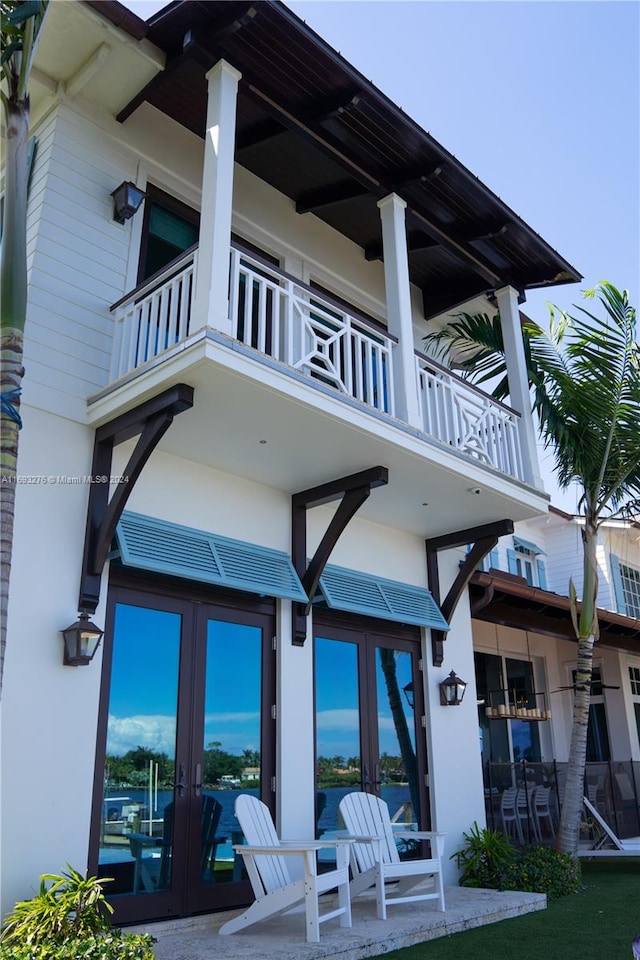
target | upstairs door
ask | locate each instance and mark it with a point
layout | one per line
(369, 709)
(188, 691)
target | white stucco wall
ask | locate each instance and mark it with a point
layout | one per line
(49, 711)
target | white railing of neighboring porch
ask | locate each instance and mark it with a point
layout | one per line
(460, 415)
(290, 322)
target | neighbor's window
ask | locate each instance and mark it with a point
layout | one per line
(630, 578)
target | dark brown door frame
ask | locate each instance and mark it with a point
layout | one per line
(368, 634)
(195, 604)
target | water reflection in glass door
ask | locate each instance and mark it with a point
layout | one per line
(368, 710)
(189, 726)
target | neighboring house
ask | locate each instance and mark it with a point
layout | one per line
(523, 639)
(237, 456)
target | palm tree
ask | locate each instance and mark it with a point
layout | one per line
(21, 24)
(584, 374)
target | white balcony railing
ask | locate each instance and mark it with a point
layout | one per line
(460, 415)
(288, 321)
(155, 316)
(285, 319)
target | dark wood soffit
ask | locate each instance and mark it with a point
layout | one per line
(511, 602)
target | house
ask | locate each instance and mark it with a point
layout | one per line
(524, 642)
(237, 460)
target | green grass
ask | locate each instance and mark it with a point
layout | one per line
(599, 923)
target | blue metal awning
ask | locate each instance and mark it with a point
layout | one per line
(169, 548)
(372, 596)
(521, 544)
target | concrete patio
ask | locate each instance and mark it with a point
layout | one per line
(282, 938)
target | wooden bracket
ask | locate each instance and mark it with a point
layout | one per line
(354, 490)
(150, 420)
(483, 540)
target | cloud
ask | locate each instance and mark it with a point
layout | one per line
(156, 732)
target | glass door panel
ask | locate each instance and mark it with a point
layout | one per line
(338, 735)
(396, 771)
(367, 718)
(135, 844)
(231, 743)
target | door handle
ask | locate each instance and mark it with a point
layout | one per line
(181, 785)
(197, 787)
(366, 782)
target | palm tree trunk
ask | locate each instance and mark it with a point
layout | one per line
(13, 279)
(569, 830)
(388, 664)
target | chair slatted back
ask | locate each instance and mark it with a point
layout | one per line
(366, 815)
(259, 831)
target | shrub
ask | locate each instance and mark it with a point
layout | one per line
(68, 920)
(101, 946)
(486, 859)
(543, 870)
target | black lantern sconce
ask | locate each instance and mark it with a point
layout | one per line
(81, 640)
(127, 199)
(452, 690)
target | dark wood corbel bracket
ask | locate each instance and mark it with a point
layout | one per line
(150, 420)
(483, 540)
(354, 490)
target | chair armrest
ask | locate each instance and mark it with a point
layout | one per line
(293, 847)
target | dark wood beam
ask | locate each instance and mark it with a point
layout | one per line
(312, 200)
(330, 107)
(401, 179)
(353, 490)
(482, 539)
(151, 420)
(450, 296)
(259, 133)
(415, 243)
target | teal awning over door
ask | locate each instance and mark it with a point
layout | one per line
(163, 547)
(371, 596)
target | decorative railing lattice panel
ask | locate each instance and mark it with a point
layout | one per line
(284, 319)
(472, 422)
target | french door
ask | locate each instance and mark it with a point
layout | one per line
(369, 709)
(187, 724)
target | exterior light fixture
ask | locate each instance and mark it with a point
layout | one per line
(408, 692)
(452, 691)
(127, 199)
(81, 640)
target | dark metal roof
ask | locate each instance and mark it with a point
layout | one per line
(314, 128)
(499, 597)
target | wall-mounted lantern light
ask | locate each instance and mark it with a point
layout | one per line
(127, 199)
(452, 690)
(81, 640)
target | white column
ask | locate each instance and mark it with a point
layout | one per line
(295, 753)
(453, 740)
(399, 318)
(519, 395)
(211, 302)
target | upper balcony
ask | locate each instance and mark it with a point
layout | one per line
(289, 322)
(290, 343)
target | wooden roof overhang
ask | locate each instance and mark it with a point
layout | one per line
(499, 597)
(314, 128)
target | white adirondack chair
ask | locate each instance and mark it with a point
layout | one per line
(375, 859)
(629, 847)
(265, 857)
